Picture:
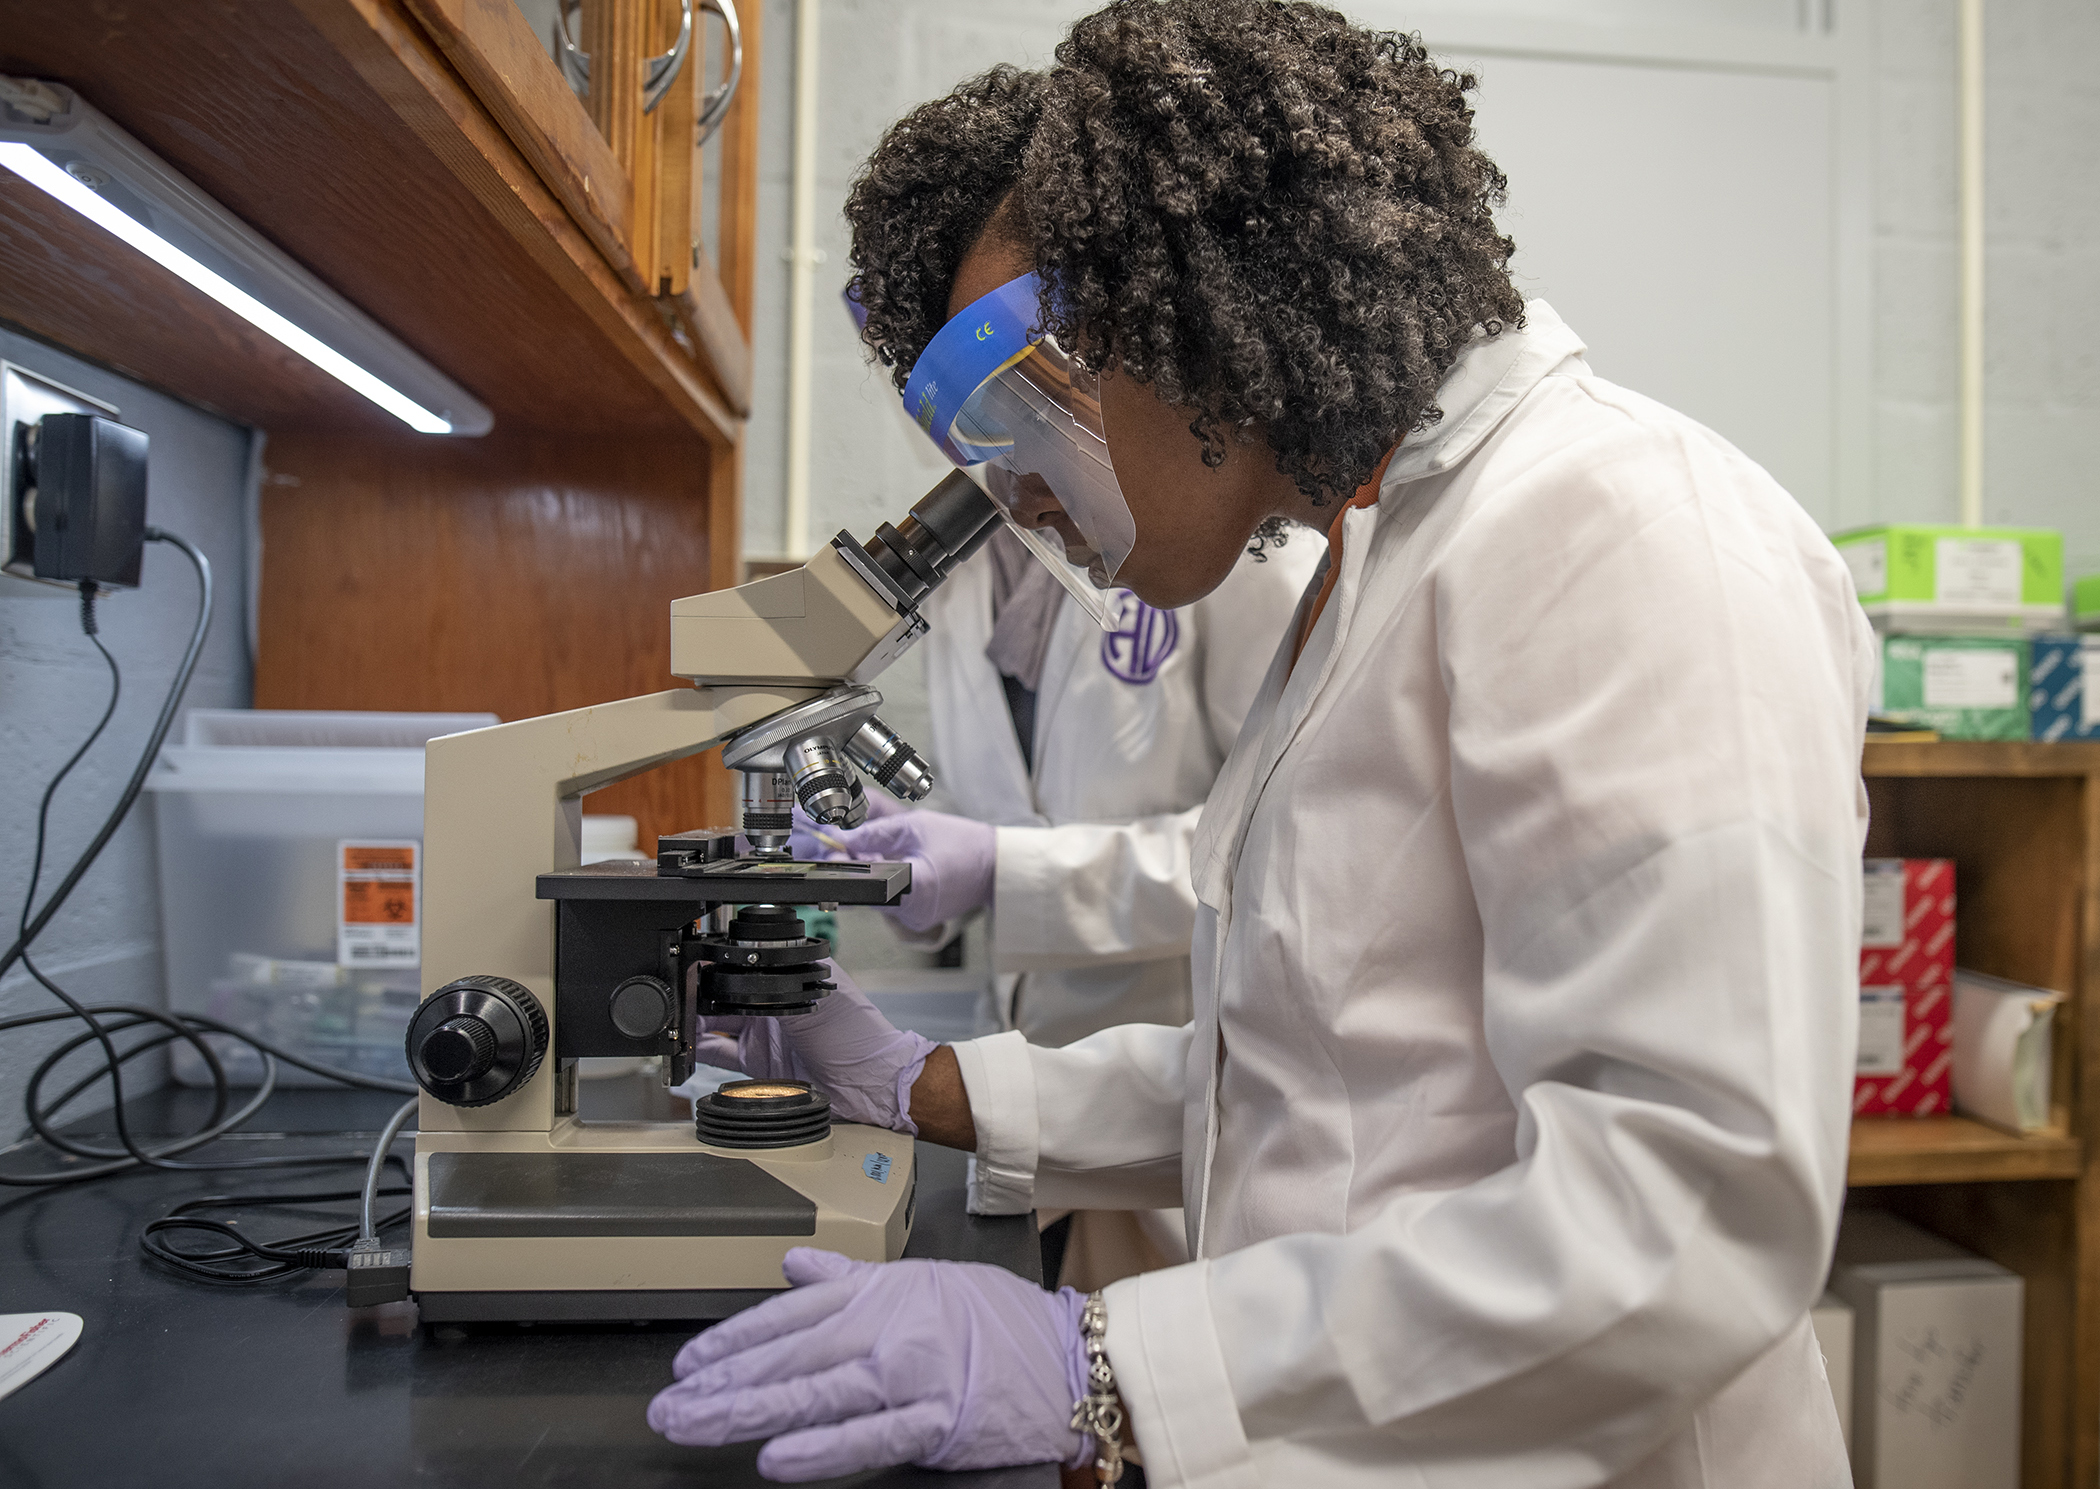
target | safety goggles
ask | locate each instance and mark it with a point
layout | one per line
(1017, 413)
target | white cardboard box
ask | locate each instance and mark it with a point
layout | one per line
(2002, 1050)
(1936, 1359)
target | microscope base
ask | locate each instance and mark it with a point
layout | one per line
(702, 1305)
(606, 1221)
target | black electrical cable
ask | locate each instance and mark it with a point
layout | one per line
(102, 1021)
(32, 927)
(328, 1247)
(92, 631)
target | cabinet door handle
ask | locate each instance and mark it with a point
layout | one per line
(658, 73)
(715, 107)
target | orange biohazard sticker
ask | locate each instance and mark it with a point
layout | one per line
(372, 902)
(376, 908)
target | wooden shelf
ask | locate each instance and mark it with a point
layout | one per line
(2013, 757)
(1956, 1150)
(2021, 822)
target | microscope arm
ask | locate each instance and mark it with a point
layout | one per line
(504, 805)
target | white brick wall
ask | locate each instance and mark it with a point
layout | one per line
(882, 56)
(2042, 372)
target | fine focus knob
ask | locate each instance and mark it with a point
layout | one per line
(642, 1007)
(477, 1040)
(459, 1049)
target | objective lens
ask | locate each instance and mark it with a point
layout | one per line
(825, 784)
(894, 764)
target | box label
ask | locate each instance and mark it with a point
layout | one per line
(1971, 678)
(1977, 571)
(1881, 1031)
(1906, 1034)
(1869, 563)
(2088, 673)
(1881, 908)
(377, 894)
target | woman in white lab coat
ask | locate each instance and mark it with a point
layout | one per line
(1089, 754)
(1511, 1124)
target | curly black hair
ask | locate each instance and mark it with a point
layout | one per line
(1268, 213)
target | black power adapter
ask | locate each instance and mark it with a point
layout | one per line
(83, 479)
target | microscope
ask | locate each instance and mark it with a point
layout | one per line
(525, 1212)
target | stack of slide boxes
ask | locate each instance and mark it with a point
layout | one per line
(1906, 989)
(1954, 608)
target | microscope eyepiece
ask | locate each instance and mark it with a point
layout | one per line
(945, 526)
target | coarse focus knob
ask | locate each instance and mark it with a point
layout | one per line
(642, 1007)
(459, 1049)
(476, 1040)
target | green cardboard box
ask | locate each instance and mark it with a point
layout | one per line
(2085, 602)
(1977, 581)
(1966, 687)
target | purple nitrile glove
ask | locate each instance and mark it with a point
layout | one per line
(866, 1365)
(953, 861)
(843, 1046)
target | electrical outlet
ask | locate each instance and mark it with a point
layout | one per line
(25, 397)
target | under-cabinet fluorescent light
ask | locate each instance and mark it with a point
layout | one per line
(79, 158)
(37, 171)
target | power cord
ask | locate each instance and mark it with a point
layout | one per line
(384, 1272)
(377, 1273)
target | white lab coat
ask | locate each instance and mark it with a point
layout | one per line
(1092, 902)
(1511, 1125)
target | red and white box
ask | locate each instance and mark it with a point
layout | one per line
(1906, 989)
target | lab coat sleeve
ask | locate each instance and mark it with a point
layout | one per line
(1085, 893)
(1655, 696)
(1093, 1125)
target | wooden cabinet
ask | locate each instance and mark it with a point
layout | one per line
(2022, 824)
(427, 160)
(613, 104)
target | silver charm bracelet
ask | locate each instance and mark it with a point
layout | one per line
(1099, 1413)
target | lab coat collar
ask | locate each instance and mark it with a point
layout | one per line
(1487, 381)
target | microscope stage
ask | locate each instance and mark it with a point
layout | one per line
(734, 881)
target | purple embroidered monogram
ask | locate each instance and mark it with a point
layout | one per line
(1142, 640)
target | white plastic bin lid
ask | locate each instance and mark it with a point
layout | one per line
(271, 750)
(609, 836)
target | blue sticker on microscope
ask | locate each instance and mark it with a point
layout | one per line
(877, 1167)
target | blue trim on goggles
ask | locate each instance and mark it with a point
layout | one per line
(992, 332)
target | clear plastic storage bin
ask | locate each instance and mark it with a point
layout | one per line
(290, 859)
